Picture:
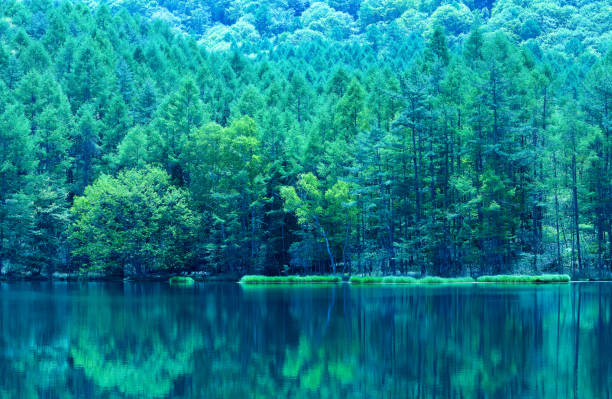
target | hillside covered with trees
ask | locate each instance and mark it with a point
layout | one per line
(385, 136)
(564, 25)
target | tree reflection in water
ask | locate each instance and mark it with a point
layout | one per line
(223, 340)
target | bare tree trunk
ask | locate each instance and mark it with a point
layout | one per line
(331, 257)
(559, 260)
(329, 252)
(575, 206)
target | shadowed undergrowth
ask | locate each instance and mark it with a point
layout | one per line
(544, 278)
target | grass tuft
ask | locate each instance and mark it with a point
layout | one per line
(399, 280)
(366, 279)
(518, 278)
(445, 280)
(181, 280)
(408, 280)
(256, 279)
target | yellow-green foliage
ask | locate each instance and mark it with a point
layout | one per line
(181, 280)
(408, 280)
(445, 280)
(256, 279)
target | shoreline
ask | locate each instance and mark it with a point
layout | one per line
(309, 279)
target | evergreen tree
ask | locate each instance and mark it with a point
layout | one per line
(17, 164)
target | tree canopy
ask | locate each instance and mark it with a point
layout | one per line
(385, 136)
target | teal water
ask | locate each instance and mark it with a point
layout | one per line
(103, 340)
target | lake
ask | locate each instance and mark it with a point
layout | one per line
(223, 340)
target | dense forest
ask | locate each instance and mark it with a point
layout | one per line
(374, 136)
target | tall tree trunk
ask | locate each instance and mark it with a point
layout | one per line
(327, 246)
(417, 193)
(559, 260)
(575, 206)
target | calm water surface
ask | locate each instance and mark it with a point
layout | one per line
(103, 340)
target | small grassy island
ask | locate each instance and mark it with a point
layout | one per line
(408, 280)
(544, 278)
(181, 280)
(257, 279)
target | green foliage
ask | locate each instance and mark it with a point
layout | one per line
(366, 279)
(225, 169)
(408, 280)
(133, 223)
(445, 280)
(323, 212)
(17, 163)
(372, 137)
(181, 280)
(253, 279)
(322, 18)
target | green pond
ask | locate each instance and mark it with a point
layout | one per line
(153, 340)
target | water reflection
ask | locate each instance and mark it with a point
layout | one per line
(226, 341)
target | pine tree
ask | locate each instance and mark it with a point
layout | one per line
(85, 149)
(17, 164)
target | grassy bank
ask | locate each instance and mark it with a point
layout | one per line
(255, 279)
(444, 280)
(181, 280)
(408, 280)
(544, 278)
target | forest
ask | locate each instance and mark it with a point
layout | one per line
(431, 137)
